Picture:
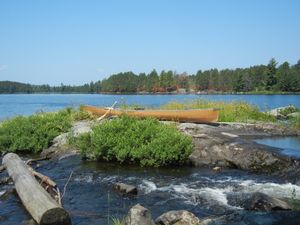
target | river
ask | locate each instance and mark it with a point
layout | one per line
(90, 198)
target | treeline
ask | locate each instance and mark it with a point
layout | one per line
(271, 78)
(9, 87)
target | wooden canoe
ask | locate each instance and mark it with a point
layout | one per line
(191, 115)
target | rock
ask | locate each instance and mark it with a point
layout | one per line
(281, 112)
(179, 217)
(217, 169)
(60, 140)
(60, 148)
(138, 215)
(59, 153)
(218, 150)
(125, 189)
(81, 127)
(262, 202)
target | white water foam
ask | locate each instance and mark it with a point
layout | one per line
(286, 190)
(147, 186)
(193, 193)
(85, 179)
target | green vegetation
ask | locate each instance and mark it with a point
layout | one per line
(33, 133)
(288, 110)
(129, 140)
(295, 122)
(229, 112)
(116, 221)
(269, 78)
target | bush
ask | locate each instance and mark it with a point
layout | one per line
(129, 140)
(33, 133)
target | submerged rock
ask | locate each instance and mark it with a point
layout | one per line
(125, 189)
(179, 217)
(139, 215)
(262, 202)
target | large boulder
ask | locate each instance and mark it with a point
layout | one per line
(125, 189)
(262, 202)
(221, 151)
(177, 217)
(139, 215)
(216, 146)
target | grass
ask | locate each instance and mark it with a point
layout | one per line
(116, 221)
(130, 140)
(295, 122)
(229, 111)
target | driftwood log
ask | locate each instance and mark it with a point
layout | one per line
(43, 209)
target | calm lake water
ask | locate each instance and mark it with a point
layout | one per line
(26, 104)
(288, 145)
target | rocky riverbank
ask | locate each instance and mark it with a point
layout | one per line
(225, 145)
(216, 146)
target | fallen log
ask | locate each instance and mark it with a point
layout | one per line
(43, 209)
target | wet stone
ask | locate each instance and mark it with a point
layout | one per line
(125, 189)
(262, 202)
(179, 217)
(139, 215)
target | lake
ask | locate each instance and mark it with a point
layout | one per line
(26, 104)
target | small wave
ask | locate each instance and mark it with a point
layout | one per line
(286, 190)
(109, 179)
(85, 179)
(147, 186)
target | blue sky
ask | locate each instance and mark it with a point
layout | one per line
(78, 41)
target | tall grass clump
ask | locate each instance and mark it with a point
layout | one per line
(33, 133)
(130, 140)
(295, 122)
(229, 111)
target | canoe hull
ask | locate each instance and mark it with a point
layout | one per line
(193, 115)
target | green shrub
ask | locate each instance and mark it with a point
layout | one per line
(129, 140)
(33, 133)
